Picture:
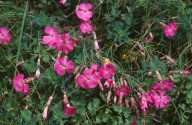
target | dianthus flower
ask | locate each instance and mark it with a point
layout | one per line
(66, 45)
(146, 101)
(69, 110)
(170, 29)
(86, 27)
(122, 91)
(89, 79)
(160, 100)
(51, 37)
(107, 70)
(20, 84)
(163, 85)
(83, 11)
(62, 2)
(5, 36)
(62, 66)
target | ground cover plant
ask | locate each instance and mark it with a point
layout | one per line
(96, 62)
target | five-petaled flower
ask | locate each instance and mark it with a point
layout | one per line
(62, 2)
(66, 45)
(170, 29)
(5, 36)
(69, 110)
(83, 11)
(20, 84)
(62, 66)
(160, 100)
(107, 70)
(51, 37)
(86, 27)
(163, 85)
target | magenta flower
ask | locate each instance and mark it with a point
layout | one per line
(69, 110)
(96, 45)
(106, 71)
(110, 83)
(160, 100)
(186, 72)
(66, 45)
(5, 36)
(86, 27)
(84, 12)
(123, 90)
(164, 85)
(88, 79)
(20, 84)
(170, 29)
(62, 2)
(146, 101)
(51, 37)
(62, 65)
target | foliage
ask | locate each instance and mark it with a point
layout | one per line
(122, 22)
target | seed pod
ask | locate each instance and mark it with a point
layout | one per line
(20, 63)
(108, 96)
(158, 75)
(115, 99)
(149, 73)
(126, 104)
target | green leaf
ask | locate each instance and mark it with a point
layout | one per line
(26, 115)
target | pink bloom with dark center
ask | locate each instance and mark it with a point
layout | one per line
(122, 91)
(66, 45)
(51, 37)
(110, 83)
(164, 85)
(160, 100)
(62, 2)
(86, 27)
(107, 70)
(83, 11)
(186, 72)
(5, 36)
(62, 66)
(69, 110)
(88, 79)
(170, 29)
(20, 84)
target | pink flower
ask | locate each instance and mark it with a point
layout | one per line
(170, 29)
(62, 65)
(88, 79)
(20, 84)
(5, 36)
(106, 71)
(186, 72)
(123, 90)
(51, 37)
(69, 110)
(164, 85)
(146, 101)
(83, 11)
(110, 82)
(160, 100)
(86, 27)
(66, 45)
(62, 2)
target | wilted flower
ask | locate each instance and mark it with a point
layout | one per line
(62, 65)
(69, 110)
(20, 84)
(5, 36)
(123, 90)
(83, 11)
(51, 37)
(170, 29)
(66, 45)
(86, 27)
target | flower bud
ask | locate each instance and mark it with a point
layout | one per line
(108, 96)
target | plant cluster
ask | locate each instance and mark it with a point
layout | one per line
(96, 62)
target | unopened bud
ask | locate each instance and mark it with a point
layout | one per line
(101, 86)
(20, 63)
(108, 96)
(162, 24)
(115, 99)
(126, 104)
(158, 75)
